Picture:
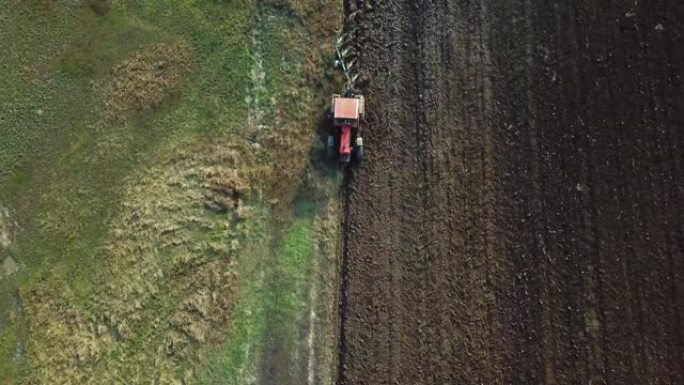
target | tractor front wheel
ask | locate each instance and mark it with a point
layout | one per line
(358, 153)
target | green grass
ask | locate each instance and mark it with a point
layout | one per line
(63, 168)
(8, 343)
(46, 76)
(220, 36)
(8, 346)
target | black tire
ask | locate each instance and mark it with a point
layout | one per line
(330, 146)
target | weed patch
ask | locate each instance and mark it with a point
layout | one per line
(147, 77)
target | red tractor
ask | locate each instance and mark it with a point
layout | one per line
(345, 141)
(346, 111)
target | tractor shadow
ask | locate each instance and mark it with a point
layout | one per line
(320, 162)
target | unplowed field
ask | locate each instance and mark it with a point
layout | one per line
(520, 216)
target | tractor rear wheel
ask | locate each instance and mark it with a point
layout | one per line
(330, 148)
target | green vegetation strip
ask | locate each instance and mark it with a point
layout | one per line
(269, 304)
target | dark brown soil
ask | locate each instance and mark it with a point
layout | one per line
(520, 215)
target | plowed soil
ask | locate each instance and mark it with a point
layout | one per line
(520, 215)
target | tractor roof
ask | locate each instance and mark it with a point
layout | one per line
(347, 108)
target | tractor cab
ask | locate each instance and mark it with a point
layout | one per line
(347, 109)
(344, 140)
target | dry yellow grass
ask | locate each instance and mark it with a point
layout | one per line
(145, 78)
(8, 226)
(169, 283)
